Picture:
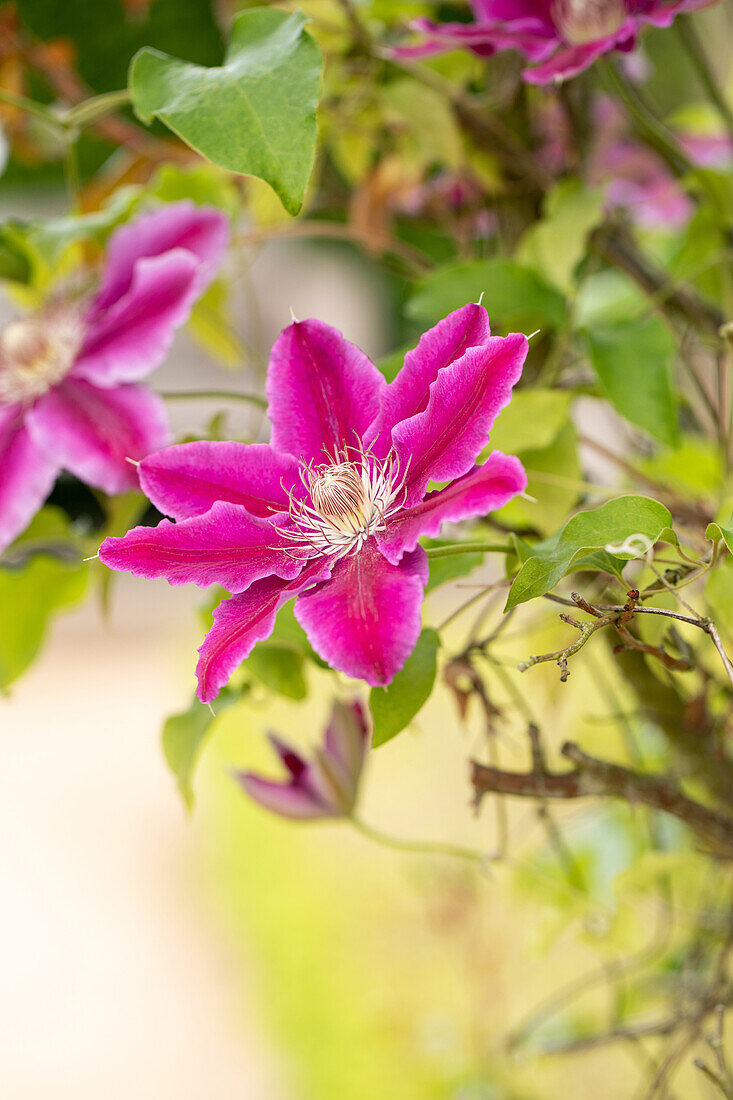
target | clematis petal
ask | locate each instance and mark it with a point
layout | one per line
(244, 620)
(479, 492)
(225, 546)
(571, 60)
(189, 478)
(347, 737)
(365, 620)
(133, 337)
(442, 442)
(663, 14)
(322, 390)
(298, 797)
(94, 432)
(285, 799)
(532, 35)
(201, 230)
(28, 474)
(440, 346)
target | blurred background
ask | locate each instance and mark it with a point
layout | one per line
(148, 951)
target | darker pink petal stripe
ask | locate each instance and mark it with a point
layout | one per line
(365, 620)
(443, 441)
(322, 390)
(225, 546)
(188, 479)
(440, 346)
(479, 492)
(244, 620)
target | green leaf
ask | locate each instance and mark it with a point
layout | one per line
(612, 524)
(514, 295)
(556, 244)
(183, 738)
(717, 531)
(532, 420)
(632, 360)
(279, 668)
(256, 113)
(394, 707)
(30, 596)
(433, 136)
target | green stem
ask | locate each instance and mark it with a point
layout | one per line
(452, 549)
(96, 107)
(646, 123)
(419, 847)
(693, 46)
(215, 395)
(32, 108)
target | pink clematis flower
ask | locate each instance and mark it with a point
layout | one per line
(68, 373)
(565, 36)
(328, 785)
(332, 509)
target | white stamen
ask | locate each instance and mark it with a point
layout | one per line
(581, 21)
(37, 352)
(349, 499)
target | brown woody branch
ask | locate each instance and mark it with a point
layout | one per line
(592, 777)
(616, 617)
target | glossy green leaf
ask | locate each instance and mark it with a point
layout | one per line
(256, 113)
(555, 245)
(633, 362)
(514, 295)
(394, 707)
(614, 524)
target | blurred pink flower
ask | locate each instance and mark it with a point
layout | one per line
(68, 373)
(327, 786)
(565, 36)
(332, 510)
(637, 179)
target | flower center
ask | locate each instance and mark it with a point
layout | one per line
(351, 498)
(36, 352)
(581, 21)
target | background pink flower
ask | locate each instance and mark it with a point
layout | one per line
(332, 510)
(68, 393)
(565, 36)
(327, 785)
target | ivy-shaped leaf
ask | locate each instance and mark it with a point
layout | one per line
(256, 113)
(624, 524)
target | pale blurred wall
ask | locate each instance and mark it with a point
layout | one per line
(112, 983)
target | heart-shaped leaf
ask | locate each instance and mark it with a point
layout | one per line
(256, 113)
(620, 528)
